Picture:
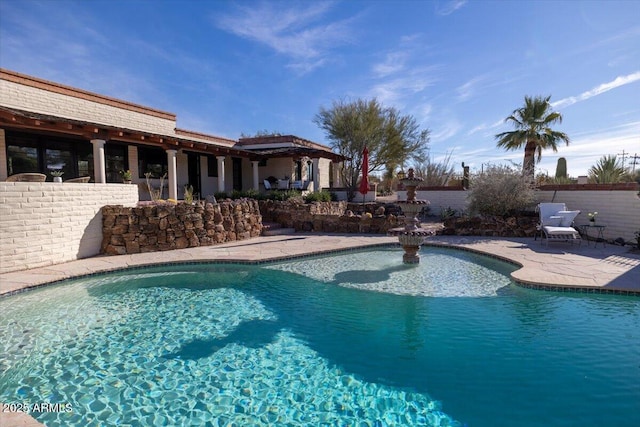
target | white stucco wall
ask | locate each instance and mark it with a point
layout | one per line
(50, 223)
(618, 210)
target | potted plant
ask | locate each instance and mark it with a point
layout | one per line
(57, 175)
(592, 218)
(126, 176)
(188, 194)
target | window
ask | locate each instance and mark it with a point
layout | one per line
(212, 166)
(116, 160)
(152, 160)
(59, 160)
(298, 175)
(42, 153)
(22, 159)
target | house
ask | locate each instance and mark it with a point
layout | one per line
(46, 126)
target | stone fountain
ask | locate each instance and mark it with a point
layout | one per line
(411, 236)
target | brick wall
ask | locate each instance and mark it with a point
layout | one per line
(49, 223)
(24, 97)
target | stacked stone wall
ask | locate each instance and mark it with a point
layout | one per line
(327, 217)
(163, 227)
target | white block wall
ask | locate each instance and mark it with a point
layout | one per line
(618, 210)
(50, 223)
(24, 97)
(454, 199)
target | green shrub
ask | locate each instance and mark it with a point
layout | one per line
(282, 195)
(220, 195)
(319, 196)
(447, 212)
(500, 191)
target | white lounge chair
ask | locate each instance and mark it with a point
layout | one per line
(556, 223)
(283, 184)
(267, 184)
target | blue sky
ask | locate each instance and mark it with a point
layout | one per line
(459, 67)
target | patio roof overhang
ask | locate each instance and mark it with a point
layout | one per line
(299, 152)
(26, 120)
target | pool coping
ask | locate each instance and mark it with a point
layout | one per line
(557, 267)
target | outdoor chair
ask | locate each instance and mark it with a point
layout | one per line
(283, 184)
(80, 179)
(556, 223)
(267, 184)
(296, 185)
(27, 177)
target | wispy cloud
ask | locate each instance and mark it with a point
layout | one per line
(394, 90)
(299, 32)
(393, 63)
(446, 130)
(468, 89)
(598, 90)
(403, 73)
(485, 127)
(448, 7)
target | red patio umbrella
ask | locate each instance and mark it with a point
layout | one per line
(364, 182)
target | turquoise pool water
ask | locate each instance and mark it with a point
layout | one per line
(351, 339)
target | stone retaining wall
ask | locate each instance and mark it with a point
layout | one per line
(162, 227)
(327, 217)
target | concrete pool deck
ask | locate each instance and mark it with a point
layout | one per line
(560, 266)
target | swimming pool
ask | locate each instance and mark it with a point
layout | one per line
(350, 339)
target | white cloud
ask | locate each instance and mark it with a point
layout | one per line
(448, 7)
(393, 63)
(394, 90)
(587, 147)
(292, 31)
(598, 90)
(446, 130)
(468, 89)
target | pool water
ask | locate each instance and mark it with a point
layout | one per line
(353, 339)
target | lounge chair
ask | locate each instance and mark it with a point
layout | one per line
(27, 177)
(556, 223)
(267, 184)
(80, 179)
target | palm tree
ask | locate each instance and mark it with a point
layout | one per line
(608, 170)
(532, 130)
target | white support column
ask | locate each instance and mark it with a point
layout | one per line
(172, 164)
(99, 161)
(256, 182)
(221, 184)
(316, 174)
